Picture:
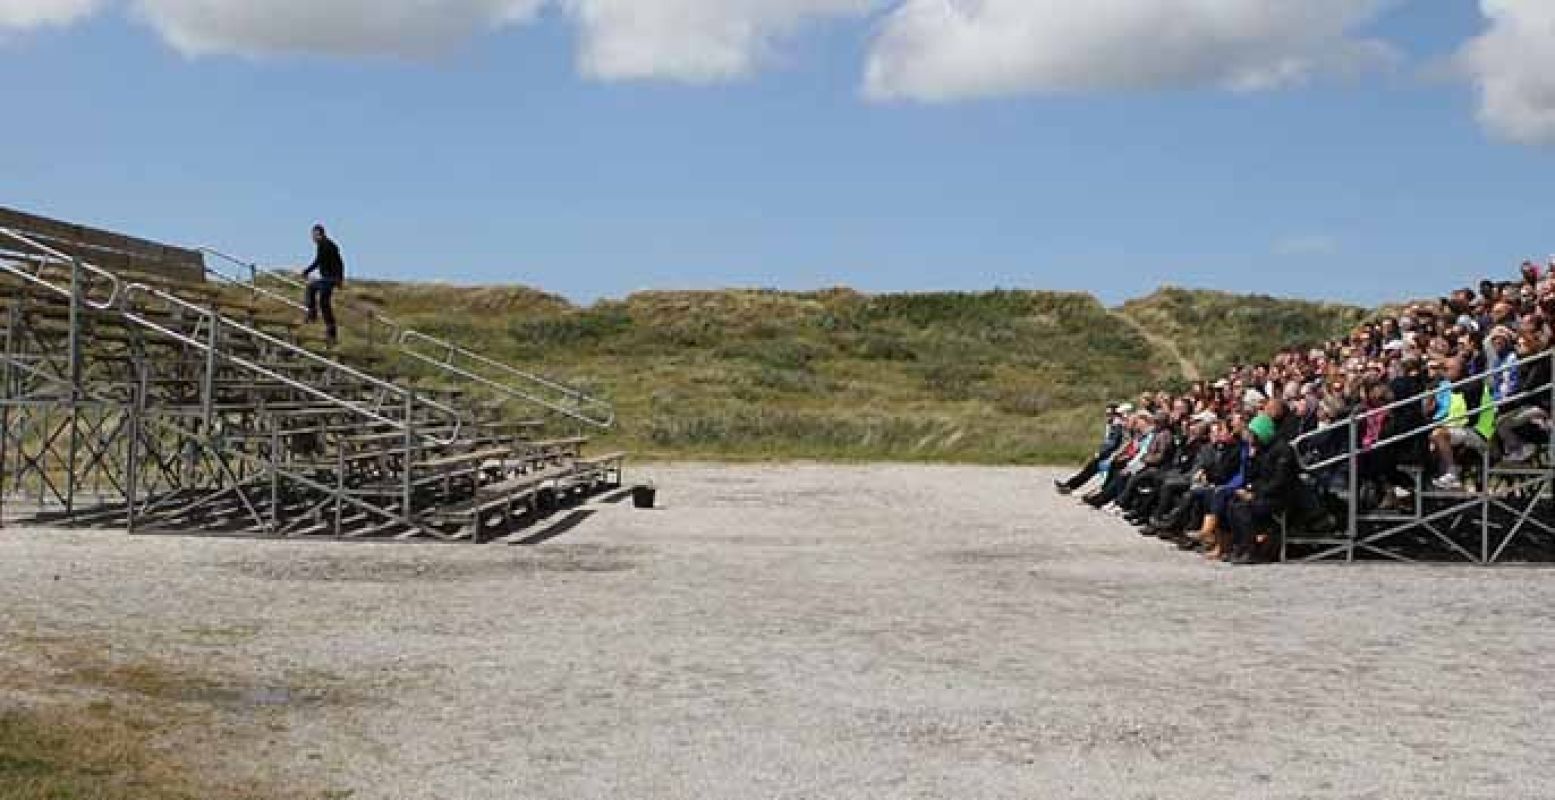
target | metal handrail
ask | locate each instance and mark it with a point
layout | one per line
(603, 416)
(574, 403)
(212, 318)
(119, 301)
(51, 254)
(252, 284)
(1358, 418)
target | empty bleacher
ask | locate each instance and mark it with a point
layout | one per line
(136, 392)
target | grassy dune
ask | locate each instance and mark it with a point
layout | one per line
(994, 377)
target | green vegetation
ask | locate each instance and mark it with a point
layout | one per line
(76, 725)
(994, 377)
(1215, 330)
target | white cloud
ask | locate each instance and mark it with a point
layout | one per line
(1513, 64)
(696, 41)
(938, 50)
(332, 27)
(23, 14)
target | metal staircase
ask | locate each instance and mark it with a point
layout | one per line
(137, 398)
(1505, 512)
(447, 359)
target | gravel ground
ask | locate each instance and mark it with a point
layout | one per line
(822, 632)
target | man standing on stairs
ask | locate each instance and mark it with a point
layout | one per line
(321, 290)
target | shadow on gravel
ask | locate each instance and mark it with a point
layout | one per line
(566, 524)
(577, 558)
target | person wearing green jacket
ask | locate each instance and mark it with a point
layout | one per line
(1469, 423)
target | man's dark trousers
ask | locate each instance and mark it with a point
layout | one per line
(320, 297)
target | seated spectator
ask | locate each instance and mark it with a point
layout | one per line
(1394, 386)
(1466, 425)
(1153, 453)
(1531, 411)
(1112, 439)
(1141, 499)
(1272, 481)
(1212, 461)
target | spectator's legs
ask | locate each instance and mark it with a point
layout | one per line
(1116, 482)
(1082, 477)
(1441, 445)
(1172, 490)
(1135, 488)
(1244, 519)
(1509, 429)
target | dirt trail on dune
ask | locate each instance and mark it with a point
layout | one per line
(1190, 371)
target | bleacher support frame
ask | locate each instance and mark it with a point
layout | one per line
(125, 403)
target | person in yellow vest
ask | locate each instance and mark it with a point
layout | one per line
(1468, 425)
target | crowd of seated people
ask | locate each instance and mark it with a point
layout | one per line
(1432, 389)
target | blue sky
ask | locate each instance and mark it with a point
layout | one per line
(594, 158)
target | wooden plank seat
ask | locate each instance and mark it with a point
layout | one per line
(608, 469)
(497, 503)
(462, 459)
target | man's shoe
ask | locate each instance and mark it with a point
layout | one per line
(1062, 487)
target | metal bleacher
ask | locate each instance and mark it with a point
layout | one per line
(140, 388)
(1504, 512)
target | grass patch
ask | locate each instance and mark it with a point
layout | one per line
(89, 754)
(75, 725)
(984, 377)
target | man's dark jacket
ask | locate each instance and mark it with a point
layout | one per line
(331, 267)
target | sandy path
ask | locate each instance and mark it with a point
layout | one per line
(824, 632)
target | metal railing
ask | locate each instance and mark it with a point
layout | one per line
(120, 301)
(215, 325)
(447, 357)
(1354, 422)
(1538, 482)
(43, 254)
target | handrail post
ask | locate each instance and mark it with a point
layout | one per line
(340, 482)
(1484, 504)
(1353, 525)
(75, 385)
(1549, 355)
(132, 465)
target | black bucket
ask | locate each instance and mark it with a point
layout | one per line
(643, 496)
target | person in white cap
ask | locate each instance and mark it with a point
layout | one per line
(1501, 362)
(1112, 439)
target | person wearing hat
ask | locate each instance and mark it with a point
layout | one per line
(1274, 477)
(1111, 440)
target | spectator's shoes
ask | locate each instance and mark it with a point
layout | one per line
(1448, 483)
